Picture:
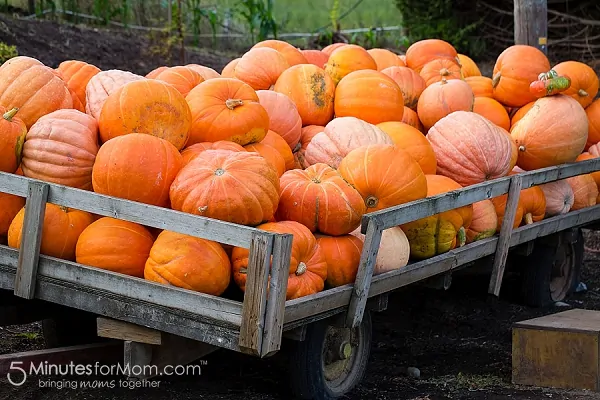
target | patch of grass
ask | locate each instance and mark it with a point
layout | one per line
(29, 335)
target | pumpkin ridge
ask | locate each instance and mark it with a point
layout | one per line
(463, 161)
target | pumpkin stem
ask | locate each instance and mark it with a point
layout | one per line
(522, 148)
(444, 72)
(233, 103)
(298, 147)
(582, 93)
(219, 171)
(462, 236)
(19, 148)
(496, 80)
(528, 219)
(301, 269)
(64, 209)
(10, 114)
(316, 180)
(243, 271)
(371, 201)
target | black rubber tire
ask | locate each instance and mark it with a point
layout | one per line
(306, 376)
(537, 272)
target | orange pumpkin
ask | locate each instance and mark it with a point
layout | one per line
(10, 205)
(320, 199)
(584, 81)
(261, 67)
(594, 150)
(347, 59)
(414, 142)
(533, 201)
(104, 84)
(384, 175)
(269, 153)
(342, 254)
(385, 59)
(292, 55)
(12, 135)
(308, 132)
(585, 191)
(115, 245)
(423, 51)
(316, 57)
(500, 207)
(468, 66)
(229, 70)
(481, 86)
(311, 89)
(191, 152)
(411, 118)
(559, 197)
(593, 115)
(76, 75)
(355, 93)
(443, 98)
(440, 68)
(238, 187)
(226, 109)
(515, 69)
(332, 47)
(188, 262)
(308, 266)
(146, 106)
(278, 143)
(492, 110)
(520, 113)
(553, 132)
(484, 223)
(154, 73)
(284, 118)
(587, 156)
(411, 84)
(61, 147)
(61, 229)
(33, 88)
(137, 167)
(469, 148)
(181, 78)
(205, 72)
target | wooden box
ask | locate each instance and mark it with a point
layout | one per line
(559, 351)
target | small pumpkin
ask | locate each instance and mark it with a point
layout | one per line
(520, 113)
(316, 57)
(10, 205)
(308, 133)
(278, 143)
(421, 52)
(411, 84)
(484, 223)
(481, 86)
(587, 156)
(468, 66)
(394, 250)
(384, 58)
(492, 110)
(102, 85)
(440, 68)
(559, 197)
(443, 98)
(411, 118)
(320, 199)
(182, 78)
(533, 201)
(584, 81)
(261, 67)
(205, 72)
(412, 140)
(292, 55)
(332, 47)
(284, 118)
(593, 115)
(12, 136)
(152, 74)
(77, 75)
(191, 152)
(269, 153)
(347, 59)
(342, 254)
(500, 207)
(585, 191)
(308, 266)
(229, 70)
(115, 245)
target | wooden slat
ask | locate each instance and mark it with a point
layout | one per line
(531, 23)
(255, 296)
(282, 247)
(550, 174)
(510, 212)
(113, 329)
(362, 283)
(31, 239)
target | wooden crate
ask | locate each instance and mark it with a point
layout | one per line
(559, 350)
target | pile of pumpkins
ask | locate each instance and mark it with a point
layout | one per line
(293, 141)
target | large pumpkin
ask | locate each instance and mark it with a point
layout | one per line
(585, 191)
(320, 199)
(394, 250)
(154, 73)
(269, 153)
(316, 57)
(468, 66)
(332, 47)
(205, 72)
(411, 84)
(484, 223)
(137, 167)
(61, 147)
(384, 58)
(440, 68)
(115, 245)
(182, 78)
(341, 136)
(443, 98)
(520, 113)
(10, 205)
(412, 140)
(308, 266)
(423, 51)
(469, 148)
(104, 84)
(77, 74)
(292, 55)
(146, 106)
(260, 67)
(515, 69)
(188, 262)
(553, 132)
(12, 135)
(384, 175)
(342, 254)
(559, 197)
(61, 229)
(355, 93)
(238, 187)
(308, 133)
(584, 81)
(481, 86)
(284, 118)
(348, 59)
(226, 109)
(311, 89)
(492, 110)
(593, 116)
(191, 152)
(229, 69)
(33, 88)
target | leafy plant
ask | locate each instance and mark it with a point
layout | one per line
(334, 14)
(258, 14)
(7, 52)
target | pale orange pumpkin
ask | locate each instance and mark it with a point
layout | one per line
(308, 132)
(559, 197)
(261, 67)
(440, 68)
(484, 223)
(593, 115)
(152, 74)
(411, 118)
(584, 81)
(585, 191)
(468, 66)
(191, 152)
(229, 69)
(411, 84)
(332, 47)
(492, 110)
(420, 53)
(102, 85)
(181, 78)
(520, 113)
(205, 72)
(342, 254)
(284, 118)
(316, 57)
(481, 86)
(292, 55)
(443, 98)
(76, 75)
(414, 142)
(384, 58)
(394, 250)
(347, 59)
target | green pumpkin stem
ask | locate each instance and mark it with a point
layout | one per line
(10, 114)
(462, 236)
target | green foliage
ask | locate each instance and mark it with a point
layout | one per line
(200, 14)
(7, 52)
(334, 14)
(258, 14)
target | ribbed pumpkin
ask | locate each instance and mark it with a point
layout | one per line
(584, 81)
(12, 135)
(347, 59)
(492, 110)
(229, 69)
(423, 51)
(394, 250)
(515, 69)
(311, 89)
(226, 109)
(104, 84)
(308, 266)
(412, 140)
(553, 132)
(278, 143)
(33, 88)
(559, 197)
(332, 47)
(316, 57)
(269, 153)
(182, 78)
(520, 113)
(470, 149)
(76, 75)
(384, 175)
(385, 59)
(205, 72)
(441, 232)
(355, 93)
(342, 254)
(468, 66)
(411, 84)
(261, 67)
(292, 55)
(137, 167)
(115, 245)
(440, 68)
(284, 118)
(320, 199)
(308, 133)
(484, 223)
(587, 156)
(238, 187)
(411, 118)
(533, 201)
(481, 86)
(188, 262)
(154, 73)
(10, 205)
(340, 137)
(191, 152)
(500, 206)
(585, 191)
(146, 106)
(593, 115)
(594, 150)
(61, 229)
(443, 98)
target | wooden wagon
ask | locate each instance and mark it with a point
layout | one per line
(162, 325)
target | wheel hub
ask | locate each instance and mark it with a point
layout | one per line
(339, 350)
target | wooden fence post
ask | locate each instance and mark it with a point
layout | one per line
(531, 23)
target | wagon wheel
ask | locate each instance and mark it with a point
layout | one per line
(331, 360)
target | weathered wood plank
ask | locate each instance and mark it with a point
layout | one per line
(31, 239)
(510, 212)
(550, 174)
(282, 248)
(114, 329)
(255, 296)
(531, 23)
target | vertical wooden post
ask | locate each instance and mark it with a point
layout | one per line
(531, 23)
